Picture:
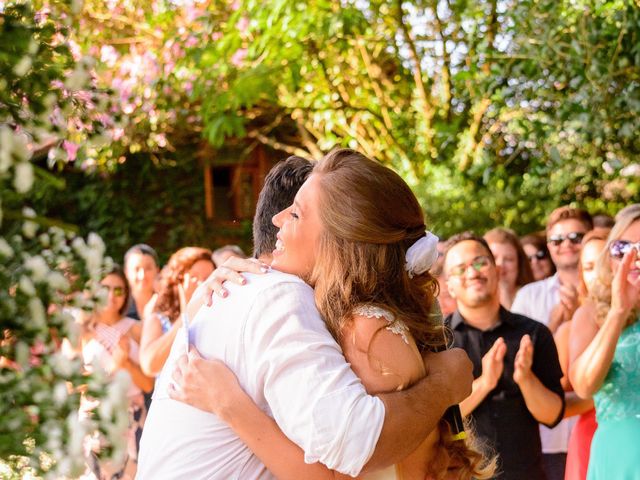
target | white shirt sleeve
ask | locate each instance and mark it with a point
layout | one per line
(314, 396)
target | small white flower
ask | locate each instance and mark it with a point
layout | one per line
(6, 147)
(5, 248)
(632, 170)
(23, 180)
(23, 66)
(77, 79)
(37, 312)
(26, 286)
(29, 229)
(22, 353)
(61, 365)
(60, 394)
(45, 240)
(33, 46)
(57, 281)
(20, 147)
(38, 267)
(95, 242)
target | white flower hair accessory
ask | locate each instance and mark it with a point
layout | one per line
(422, 255)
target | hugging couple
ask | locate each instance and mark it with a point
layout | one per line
(323, 367)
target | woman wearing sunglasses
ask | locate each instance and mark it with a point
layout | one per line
(535, 248)
(605, 352)
(112, 342)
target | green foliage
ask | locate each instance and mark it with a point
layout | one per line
(162, 205)
(529, 104)
(495, 112)
(46, 273)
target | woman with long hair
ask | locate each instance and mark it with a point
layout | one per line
(582, 432)
(111, 341)
(535, 248)
(186, 269)
(372, 286)
(605, 352)
(515, 270)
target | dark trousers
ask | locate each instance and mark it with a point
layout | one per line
(553, 464)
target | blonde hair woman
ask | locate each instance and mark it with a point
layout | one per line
(605, 352)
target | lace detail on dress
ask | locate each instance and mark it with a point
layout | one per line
(395, 326)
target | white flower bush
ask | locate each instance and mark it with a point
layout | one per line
(46, 272)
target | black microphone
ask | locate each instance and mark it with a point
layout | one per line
(452, 415)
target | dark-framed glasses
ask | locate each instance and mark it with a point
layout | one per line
(619, 248)
(478, 264)
(117, 291)
(573, 237)
(539, 255)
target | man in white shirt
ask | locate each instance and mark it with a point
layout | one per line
(271, 335)
(553, 301)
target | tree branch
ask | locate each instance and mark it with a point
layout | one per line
(423, 94)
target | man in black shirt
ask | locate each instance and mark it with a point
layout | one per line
(516, 368)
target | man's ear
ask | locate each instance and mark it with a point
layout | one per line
(450, 288)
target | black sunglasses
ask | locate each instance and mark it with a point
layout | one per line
(539, 255)
(573, 237)
(619, 248)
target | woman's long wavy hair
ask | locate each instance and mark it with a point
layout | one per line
(508, 236)
(361, 260)
(172, 275)
(601, 291)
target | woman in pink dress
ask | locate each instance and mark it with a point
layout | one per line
(111, 342)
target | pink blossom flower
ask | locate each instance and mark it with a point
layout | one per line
(216, 36)
(191, 42)
(108, 55)
(76, 51)
(242, 24)
(71, 149)
(238, 57)
(117, 134)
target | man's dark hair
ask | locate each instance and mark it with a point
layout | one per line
(602, 220)
(143, 249)
(467, 236)
(280, 187)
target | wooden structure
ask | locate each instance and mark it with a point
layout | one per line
(233, 178)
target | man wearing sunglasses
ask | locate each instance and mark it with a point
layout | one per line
(553, 301)
(515, 361)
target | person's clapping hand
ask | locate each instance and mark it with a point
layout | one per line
(625, 287)
(120, 353)
(493, 364)
(569, 299)
(524, 360)
(205, 384)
